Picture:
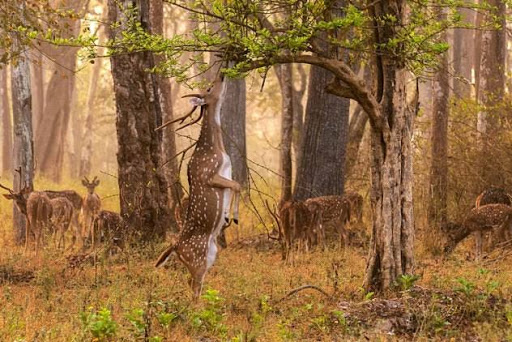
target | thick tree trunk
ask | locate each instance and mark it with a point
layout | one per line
(23, 152)
(88, 131)
(233, 115)
(437, 210)
(285, 78)
(5, 114)
(463, 55)
(142, 184)
(391, 251)
(356, 130)
(322, 165)
(490, 92)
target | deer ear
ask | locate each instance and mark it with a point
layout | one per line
(9, 196)
(84, 183)
(97, 182)
(197, 101)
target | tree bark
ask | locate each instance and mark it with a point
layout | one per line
(233, 115)
(88, 131)
(285, 78)
(322, 165)
(463, 55)
(355, 136)
(142, 184)
(490, 92)
(437, 210)
(23, 149)
(392, 245)
(37, 86)
(52, 127)
(5, 114)
(298, 112)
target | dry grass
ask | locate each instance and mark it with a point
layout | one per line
(55, 297)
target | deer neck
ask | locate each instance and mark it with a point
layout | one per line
(211, 131)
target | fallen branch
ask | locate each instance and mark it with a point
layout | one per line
(304, 287)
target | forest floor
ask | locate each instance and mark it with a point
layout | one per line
(69, 296)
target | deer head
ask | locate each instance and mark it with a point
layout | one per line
(19, 197)
(90, 185)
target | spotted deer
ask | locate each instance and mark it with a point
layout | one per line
(37, 209)
(333, 210)
(62, 215)
(77, 202)
(108, 229)
(484, 218)
(213, 193)
(91, 207)
(492, 195)
(355, 203)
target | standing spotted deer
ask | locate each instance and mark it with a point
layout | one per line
(37, 208)
(77, 202)
(91, 207)
(491, 195)
(213, 193)
(484, 218)
(62, 215)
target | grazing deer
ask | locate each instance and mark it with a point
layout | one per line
(37, 209)
(483, 218)
(213, 194)
(77, 202)
(62, 214)
(91, 207)
(108, 228)
(492, 195)
(331, 210)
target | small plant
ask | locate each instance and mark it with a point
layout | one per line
(369, 295)
(465, 287)
(137, 319)
(406, 281)
(99, 324)
(210, 318)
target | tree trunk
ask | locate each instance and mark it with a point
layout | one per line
(233, 115)
(5, 114)
(490, 92)
(285, 78)
(88, 131)
(392, 245)
(52, 127)
(23, 151)
(142, 184)
(355, 136)
(463, 55)
(322, 165)
(37, 85)
(437, 210)
(298, 112)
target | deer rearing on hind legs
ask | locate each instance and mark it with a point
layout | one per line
(213, 194)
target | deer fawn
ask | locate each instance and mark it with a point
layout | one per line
(37, 209)
(492, 195)
(108, 228)
(62, 214)
(91, 207)
(483, 218)
(77, 202)
(213, 194)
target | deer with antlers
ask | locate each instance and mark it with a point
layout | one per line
(213, 193)
(91, 207)
(37, 208)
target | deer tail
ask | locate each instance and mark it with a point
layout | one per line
(166, 255)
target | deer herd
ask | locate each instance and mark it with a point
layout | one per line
(213, 203)
(52, 212)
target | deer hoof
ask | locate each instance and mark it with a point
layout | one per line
(226, 219)
(236, 221)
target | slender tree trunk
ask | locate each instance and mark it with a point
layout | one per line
(463, 59)
(142, 184)
(233, 115)
(37, 85)
(88, 131)
(298, 112)
(322, 165)
(392, 244)
(5, 114)
(23, 151)
(437, 210)
(285, 78)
